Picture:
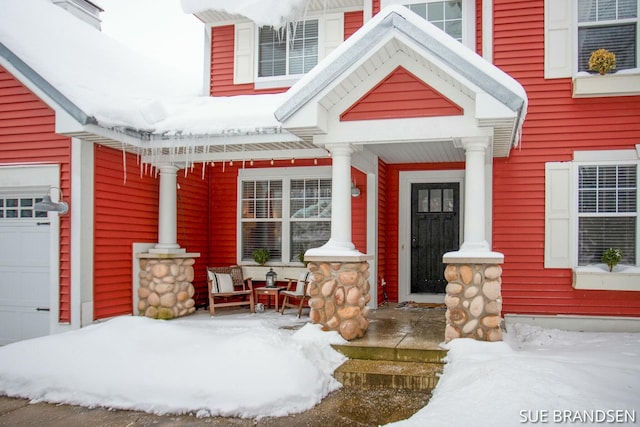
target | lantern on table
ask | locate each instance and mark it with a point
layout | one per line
(271, 278)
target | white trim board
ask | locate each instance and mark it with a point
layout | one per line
(404, 227)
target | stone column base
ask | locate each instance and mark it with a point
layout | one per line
(166, 289)
(339, 294)
(473, 301)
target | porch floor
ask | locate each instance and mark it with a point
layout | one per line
(404, 327)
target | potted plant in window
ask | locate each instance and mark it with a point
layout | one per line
(602, 61)
(261, 255)
(612, 257)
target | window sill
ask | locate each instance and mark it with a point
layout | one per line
(622, 83)
(275, 82)
(598, 277)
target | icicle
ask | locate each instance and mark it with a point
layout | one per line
(251, 162)
(223, 165)
(124, 165)
(293, 160)
(315, 161)
(204, 165)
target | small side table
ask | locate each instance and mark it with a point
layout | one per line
(269, 291)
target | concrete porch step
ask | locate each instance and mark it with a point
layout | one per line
(362, 373)
(391, 353)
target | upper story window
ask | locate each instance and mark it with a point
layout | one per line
(573, 29)
(608, 24)
(446, 15)
(289, 51)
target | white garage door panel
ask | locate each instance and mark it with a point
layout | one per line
(24, 280)
(21, 325)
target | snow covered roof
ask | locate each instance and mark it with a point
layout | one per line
(114, 91)
(398, 30)
(262, 12)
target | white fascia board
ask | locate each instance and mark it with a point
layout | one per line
(413, 130)
(489, 108)
(311, 115)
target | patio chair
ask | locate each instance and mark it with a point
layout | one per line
(300, 294)
(228, 288)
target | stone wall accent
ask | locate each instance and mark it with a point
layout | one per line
(166, 289)
(474, 301)
(339, 293)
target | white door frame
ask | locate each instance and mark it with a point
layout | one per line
(408, 178)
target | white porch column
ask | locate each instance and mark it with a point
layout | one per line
(474, 196)
(340, 243)
(167, 212)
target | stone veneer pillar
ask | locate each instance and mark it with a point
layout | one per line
(339, 293)
(473, 299)
(166, 285)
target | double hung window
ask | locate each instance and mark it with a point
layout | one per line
(286, 215)
(608, 24)
(607, 211)
(291, 50)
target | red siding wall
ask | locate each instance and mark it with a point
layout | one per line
(27, 135)
(401, 95)
(383, 230)
(352, 22)
(124, 213)
(555, 126)
(392, 212)
(193, 224)
(375, 5)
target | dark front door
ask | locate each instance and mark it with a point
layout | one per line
(434, 231)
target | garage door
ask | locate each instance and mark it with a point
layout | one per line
(24, 269)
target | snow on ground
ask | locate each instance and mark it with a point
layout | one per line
(224, 366)
(537, 376)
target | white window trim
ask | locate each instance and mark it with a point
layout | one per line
(468, 18)
(316, 172)
(561, 59)
(561, 228)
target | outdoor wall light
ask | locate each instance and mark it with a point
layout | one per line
(355, 191)
(47, 205)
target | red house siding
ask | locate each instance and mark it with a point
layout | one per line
(392, 212)
(193, 225)
(124, 213)
(352, 22)
(383, 232)
(555, 126)
(27, 135)
(401, 95)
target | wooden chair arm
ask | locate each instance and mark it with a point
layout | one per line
(291, 281)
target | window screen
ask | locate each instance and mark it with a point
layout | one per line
(607, 211)
(288, 51)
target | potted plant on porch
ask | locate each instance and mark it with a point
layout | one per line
(261, 255)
